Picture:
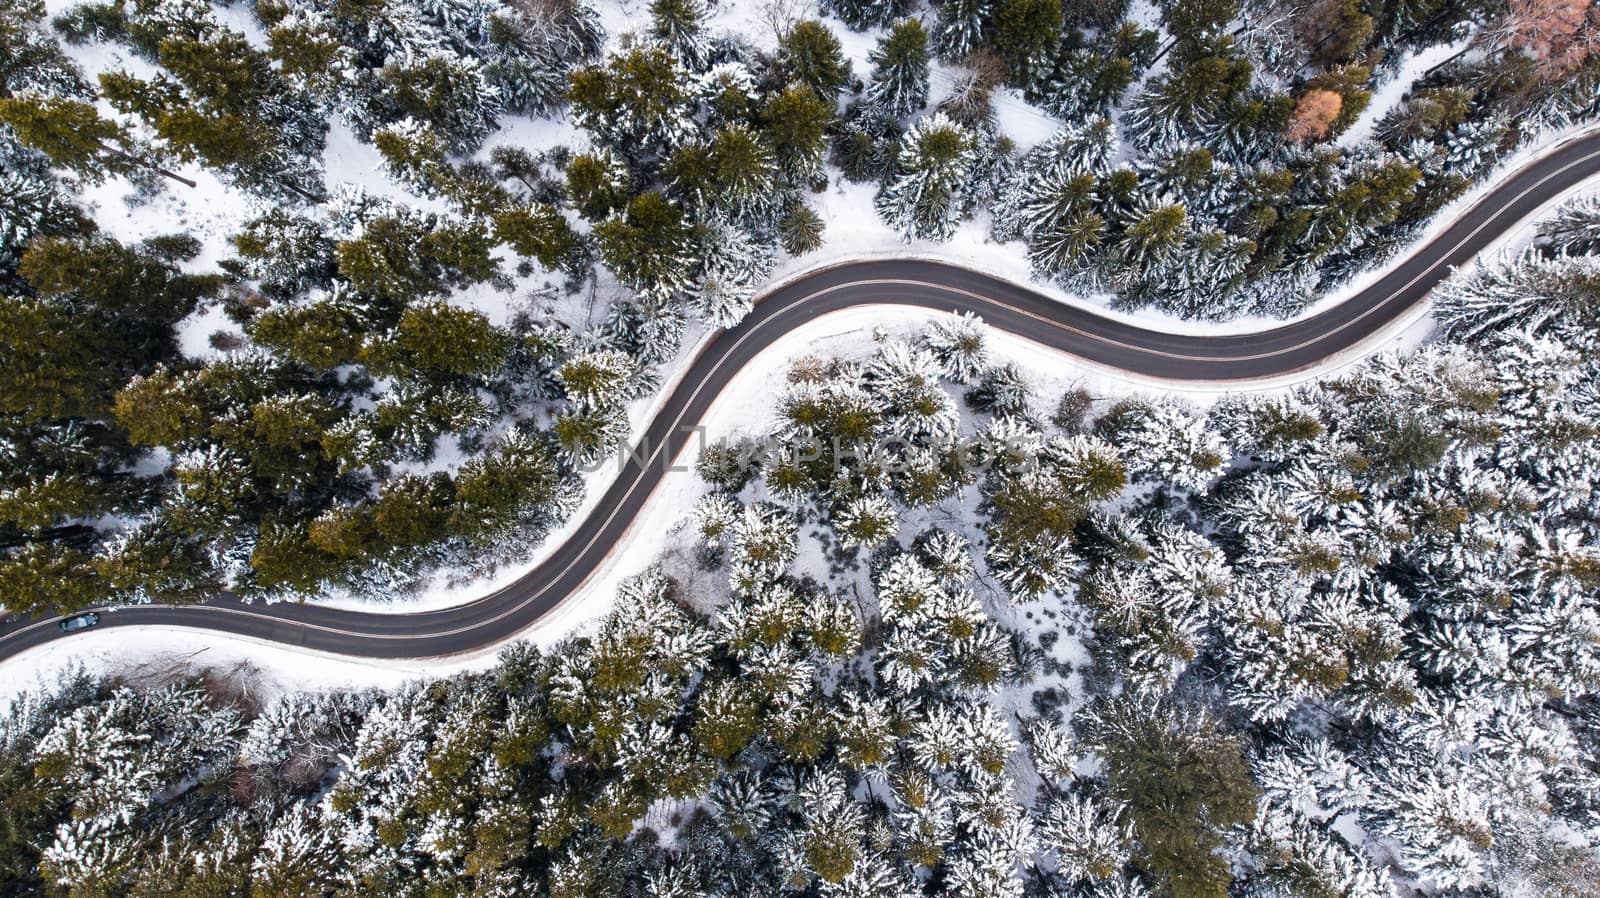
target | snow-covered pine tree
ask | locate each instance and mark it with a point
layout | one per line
(744, 176)
(636, 102)
(649, 246)
(899, 82)
(927, 195)
(959, 26)
(957, 342)
(861, 15)
(734, 264)
(1574, 229)
(866, 522)
(1163, 439)
(680, 27)
(1086, 835)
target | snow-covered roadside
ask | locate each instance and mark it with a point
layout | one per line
(854, 231)
(276, 669)
(1441, 220)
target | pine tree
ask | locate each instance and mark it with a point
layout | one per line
(51, 366)
(866, 521)
(47, 577)
(728, 718)
(649, 329)
(1178, 826)
(596, 379)
(33, 60)
(399, 256)
(680, 26)
(899, 84)
(800, 230)
(1025, 34)
(648, 247)
(218, 100)
(809, 54)
(516, 478)
(1574, 229)
(414, 154)
(1087, 836)
(743, 177)
(289, 254)
(636, 103)
(599, 183)
(1150, 241)
(860, 15)
(928, 194)
(323, 334)
(438, 338)
(958, 344)
(74, 135)
(1002, 391)
(727, 92)
(539, 231)
(795, 124)
(734, 265)
(447, 93)
(959, 28)
(1165, 439)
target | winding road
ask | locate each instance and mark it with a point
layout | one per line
(493, 618)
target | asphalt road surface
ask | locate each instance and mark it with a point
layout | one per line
(487, 621)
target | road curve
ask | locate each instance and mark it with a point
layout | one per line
(487, 621)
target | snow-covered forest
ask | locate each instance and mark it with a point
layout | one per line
(312, 296)
(1343, 642)
(403, 369)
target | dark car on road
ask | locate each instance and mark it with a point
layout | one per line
(79, 622)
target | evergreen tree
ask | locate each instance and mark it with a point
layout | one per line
(734, 265)
(449, 94)
(1025, 32)
(899, 84)
(440, 338)
(959, 27)
(809, 54)
(795, 124)
(218, 100)
(800, 230)
(404, 255)
(957, 342)
(680, 27)
(859, 15)
(743, 176)
(1575, 228)
(636, 103)
(1178, 817)
(928, 195)
(74, 135)
(648, 247)
(515, 481)
(289, 254)
(599, 184)
(539, 231)
(53, 366)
